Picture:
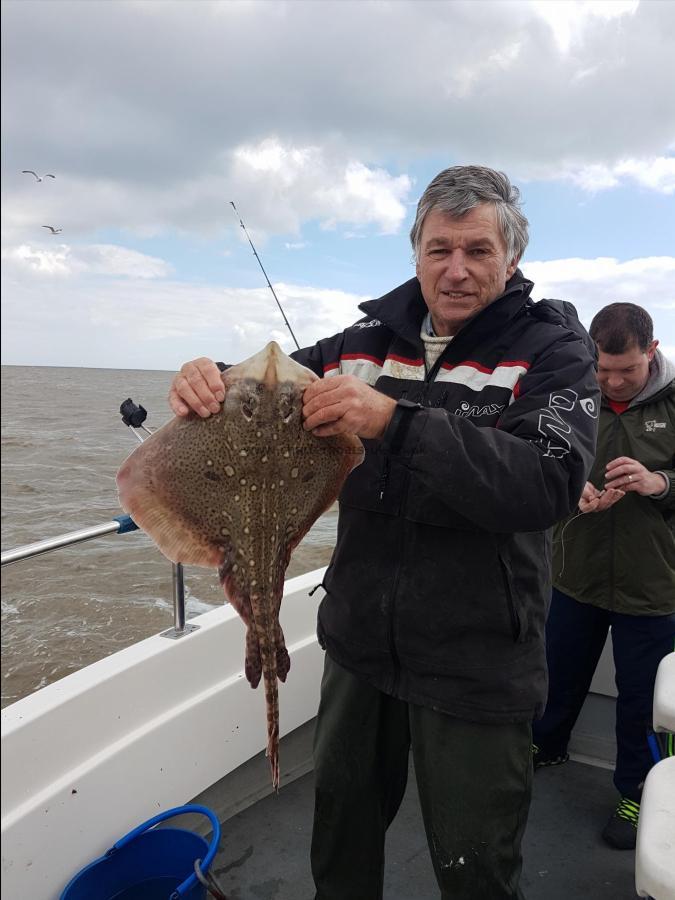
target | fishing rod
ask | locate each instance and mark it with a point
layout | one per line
(255, 253)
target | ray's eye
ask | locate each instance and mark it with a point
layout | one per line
(286, 407)
(249, 406)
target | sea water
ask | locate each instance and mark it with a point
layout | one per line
(63, 440)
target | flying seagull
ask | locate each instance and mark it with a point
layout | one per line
(31, 172)
(53, 230)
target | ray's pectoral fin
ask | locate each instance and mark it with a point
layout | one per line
(143, 496)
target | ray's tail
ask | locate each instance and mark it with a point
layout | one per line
(275, 665)
(272, 703)
(266, 655)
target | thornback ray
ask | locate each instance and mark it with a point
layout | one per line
(237, 492)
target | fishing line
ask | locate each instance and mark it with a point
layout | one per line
(562, 540)
(255, 253)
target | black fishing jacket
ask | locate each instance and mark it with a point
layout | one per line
(438, 588)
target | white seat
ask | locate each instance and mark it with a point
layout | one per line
(664, 695)
(655, 849)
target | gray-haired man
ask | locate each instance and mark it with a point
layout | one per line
(478, 410)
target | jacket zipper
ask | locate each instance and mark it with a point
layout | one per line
(612, 517)
(428, 379)
(383, 483)
(384, 471)
(516, 625)
(384, 477)
(392, 640)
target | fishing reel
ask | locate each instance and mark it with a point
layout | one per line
(132, 415)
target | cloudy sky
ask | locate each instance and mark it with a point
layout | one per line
(323, 122)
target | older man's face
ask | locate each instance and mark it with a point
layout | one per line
(463, 266)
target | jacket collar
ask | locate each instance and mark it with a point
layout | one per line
(661, 375)
(403, 310)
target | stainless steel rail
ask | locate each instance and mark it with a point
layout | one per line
(119, 525)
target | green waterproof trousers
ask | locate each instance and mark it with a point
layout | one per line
(474, 783)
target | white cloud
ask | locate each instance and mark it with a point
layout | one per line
(591, 284)
(93, 259)
(568, 19)
(604, 270)
(305, 182)
(106, 321)
(467, 76)
(110, 320)
(658, 174)
(50, 262)
(153, 117)
(283, 185)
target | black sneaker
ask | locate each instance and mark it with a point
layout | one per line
(541, 758)
(620, 831)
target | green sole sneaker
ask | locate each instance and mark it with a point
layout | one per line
(620, 831)
(540, 758)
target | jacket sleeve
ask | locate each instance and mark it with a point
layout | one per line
(666, 502)
(527, 473)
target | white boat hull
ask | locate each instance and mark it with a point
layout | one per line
(89, 757)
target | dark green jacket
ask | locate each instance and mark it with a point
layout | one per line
(623, 559)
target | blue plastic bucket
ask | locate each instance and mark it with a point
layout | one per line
(150, 863)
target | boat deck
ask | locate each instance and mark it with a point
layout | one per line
(264, 851)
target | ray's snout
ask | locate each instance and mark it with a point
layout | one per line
(271, 367)
(273, 358)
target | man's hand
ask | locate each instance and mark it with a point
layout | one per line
(630, 475)
(343, 404)
(593, 500)
(198, 387)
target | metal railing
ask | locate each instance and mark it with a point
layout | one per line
(119, 525)
(134, 416)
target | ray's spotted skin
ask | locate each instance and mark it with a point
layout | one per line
(238, 491)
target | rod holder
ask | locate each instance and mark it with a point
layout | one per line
(180, 629)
